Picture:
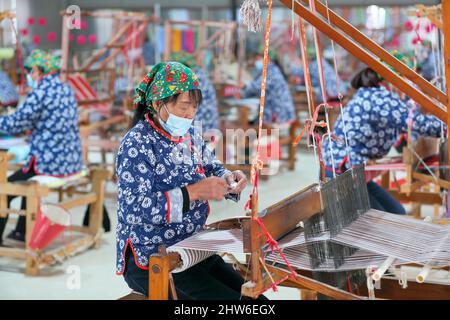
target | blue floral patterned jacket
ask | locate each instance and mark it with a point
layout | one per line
(329, 77)
(8, 93)
(151, 168)
(374, 118)
(50, 113)
(279, 107)
(208, 112)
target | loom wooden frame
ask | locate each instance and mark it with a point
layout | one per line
(288, 211)
(139, 22)
(204, 41)
(32, 192)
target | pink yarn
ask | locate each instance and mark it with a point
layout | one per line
(190, 41)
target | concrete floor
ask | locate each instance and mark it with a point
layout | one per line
(96, 267)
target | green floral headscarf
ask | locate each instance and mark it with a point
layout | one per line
(43, 60)
(184, 58)
(164, 80)
(403, 58)
(272, 54)
(400, 56)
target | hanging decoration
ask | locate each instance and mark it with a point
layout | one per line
(51, 36)
(36, 39)
(251, 15)
(83, 25)
(42, 21)
(92, 38)
(81, 39)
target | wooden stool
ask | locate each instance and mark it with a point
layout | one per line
(32, 192)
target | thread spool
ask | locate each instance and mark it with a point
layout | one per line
(382, 269)
(421, 277)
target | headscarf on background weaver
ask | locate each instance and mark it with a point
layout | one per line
(46, 62)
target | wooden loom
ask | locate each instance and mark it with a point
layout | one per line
(32, 192)
(283, 217)
(434, 13)
(11, 71)
(222, 31)
(128, 29)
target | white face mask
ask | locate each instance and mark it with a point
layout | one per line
(176, 126)
(30, 82)
(258, 65)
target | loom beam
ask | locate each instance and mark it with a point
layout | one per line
(282, 217)
(343, 38)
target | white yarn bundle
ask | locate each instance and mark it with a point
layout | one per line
(189, 257)
(251, 15)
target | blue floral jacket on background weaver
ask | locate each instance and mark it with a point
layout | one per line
(278, 107)
(207, 113)
(50, 112)
(374, 118)
(151, 168)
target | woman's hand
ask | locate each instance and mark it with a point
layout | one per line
(236, 182)
(212, 188)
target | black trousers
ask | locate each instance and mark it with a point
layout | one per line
(211, 279)
(21, 223)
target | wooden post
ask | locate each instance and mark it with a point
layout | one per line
(32, 264)
(65, 48)
(158, 280)
(446, 33)
(96, 210)
(241, 53)
(359, 51)
(201, 43)
(3, 178)
(252, 288)
(167, 40)
(292, 149)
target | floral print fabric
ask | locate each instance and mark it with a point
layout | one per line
(279, 107)
(374, 118)
(151, 168)
(50, 113)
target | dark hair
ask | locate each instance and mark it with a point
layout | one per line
(366, 78)
(142, 109)
(278, 64)
(275, 61)
(29, 69)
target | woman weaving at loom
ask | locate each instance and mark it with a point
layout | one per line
(279, 107)
(165, 178)
(50, 113)
(373, 119)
